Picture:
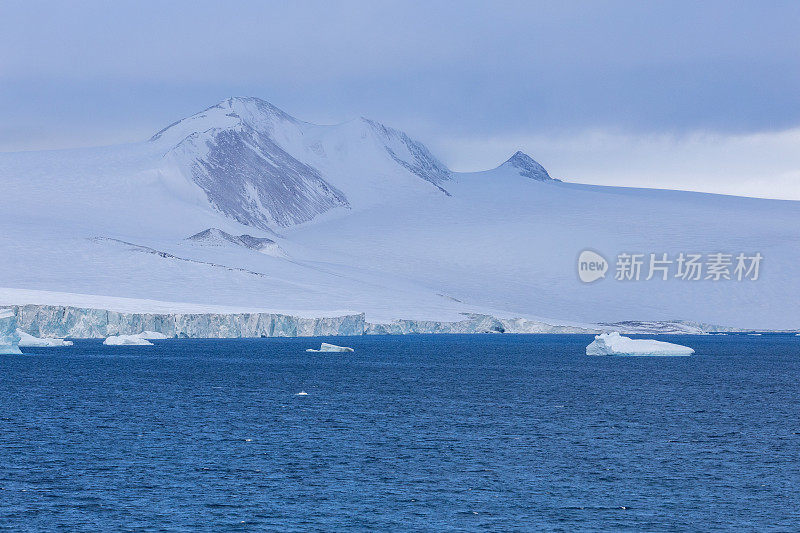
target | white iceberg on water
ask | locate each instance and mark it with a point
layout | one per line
(126, 340)
(9, 340)
(139, 339)
(326, 347)
(616, 344)
(29, 341)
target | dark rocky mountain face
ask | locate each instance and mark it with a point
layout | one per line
(248, 177)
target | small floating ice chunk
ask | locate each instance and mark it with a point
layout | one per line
(126, 340)
(138, 339)
(302, 393)
(616, 344)
(29, 341)
(326, 347)
(754, 334)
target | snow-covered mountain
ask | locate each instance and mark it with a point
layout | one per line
(242, 207)
(267, 169)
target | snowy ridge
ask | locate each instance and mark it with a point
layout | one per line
(167, 255)
(217, 237)
(230, 113)
(412, 155)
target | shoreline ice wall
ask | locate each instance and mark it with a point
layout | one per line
(65, 321)
(75, 322)
(473, 323)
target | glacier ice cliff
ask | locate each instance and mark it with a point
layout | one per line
(66, 321)
(75, 322)
(473, 323)
(9, 339)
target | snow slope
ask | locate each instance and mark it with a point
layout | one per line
(358, 217)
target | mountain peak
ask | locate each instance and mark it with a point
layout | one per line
(233, 112)
(250, 107)
(526, 166)
(519, 155)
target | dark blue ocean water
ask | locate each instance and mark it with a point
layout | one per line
(501, 432)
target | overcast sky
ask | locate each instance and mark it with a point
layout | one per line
(692, 95)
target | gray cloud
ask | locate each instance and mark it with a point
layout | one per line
(100, 72)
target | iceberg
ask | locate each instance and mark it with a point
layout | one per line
(616, 344)
(9, 340)
(325, 347)
(126, 340)
(29, 341)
